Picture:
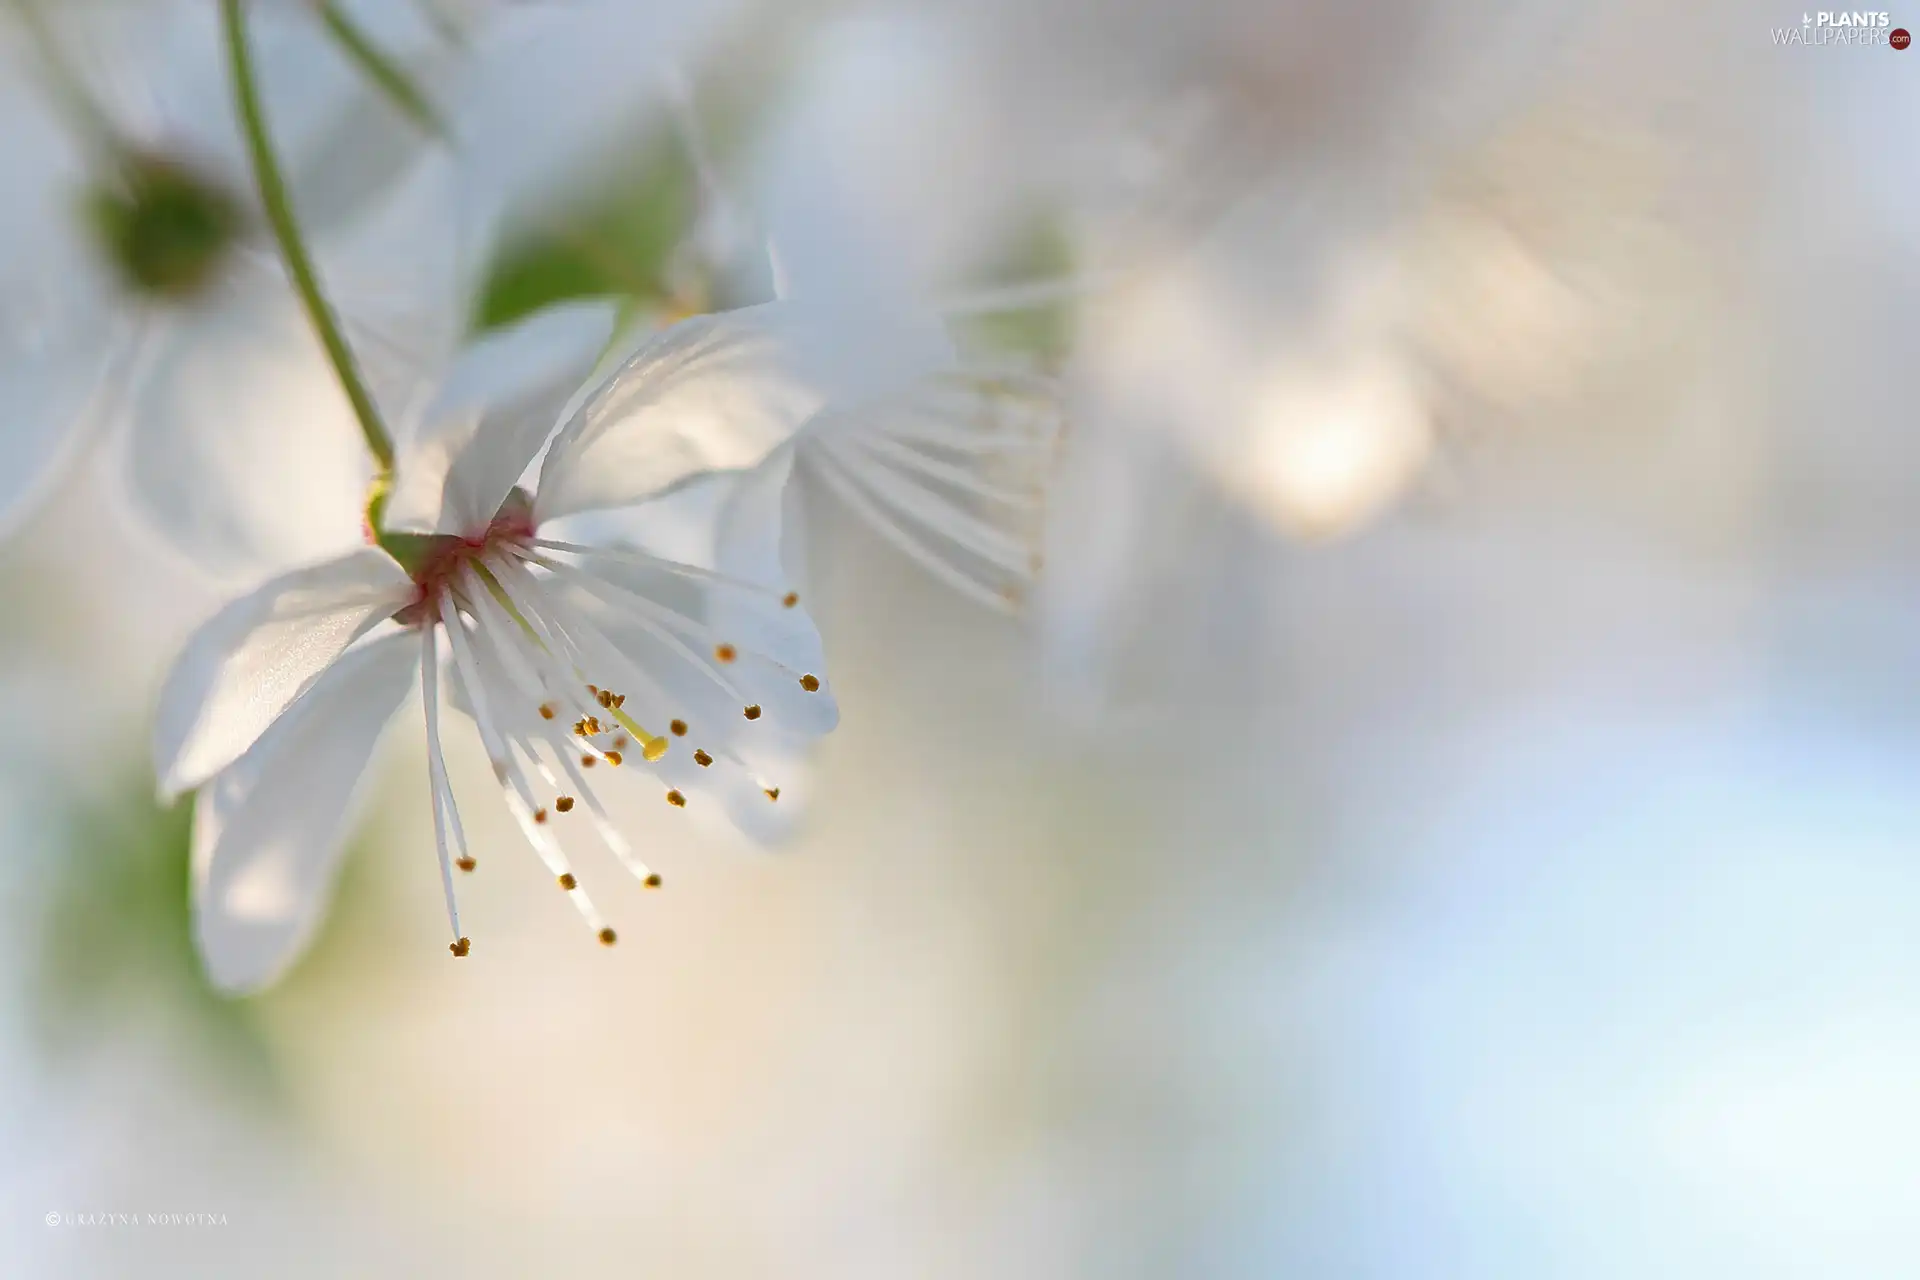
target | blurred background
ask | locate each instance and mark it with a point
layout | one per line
(1450, 812)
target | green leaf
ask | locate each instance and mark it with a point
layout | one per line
(619, 239)
(117, 937)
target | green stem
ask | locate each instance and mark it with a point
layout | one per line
(286, 233)
(386, 74)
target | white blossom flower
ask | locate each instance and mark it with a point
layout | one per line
(141, 303)
(951, 471)
(572, 660)
(948, 463)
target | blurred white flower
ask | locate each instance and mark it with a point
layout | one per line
(553, 89)
(144, 305)
(945, 458)
(568, 657)
(951, 471)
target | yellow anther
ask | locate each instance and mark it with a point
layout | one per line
(652, 881)
(567, 882)
(793, 598)
(564, 804)
(461, 947)
(587, 762)
(539, 815)
(651, 747)
(608, 937)
(702, 759)
(753, 711)
(466, 864)
(773, 793)
(810, 683)
(546, 711)
(679, 728)
(725, 652)
(614, 758)
(677, 800)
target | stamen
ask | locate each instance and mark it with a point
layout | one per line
(557, 634)
(656, 619)
(460, 947)
(831, 470)
(544, 633)
(532, 666)
(596, 814)
(938, 515)
(611, 837)
(467, 651)
(446, 815)
(882, 451)
(646, 560)
(652, 748)
(509, 644)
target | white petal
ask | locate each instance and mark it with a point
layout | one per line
(242, 451)
(492, 416)
(48, 409)
(405, 279)
(717, 393)
(268, 831)
(254, 657)
(752, 530)
(589, 71)
(758, 537)
(61, 339)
